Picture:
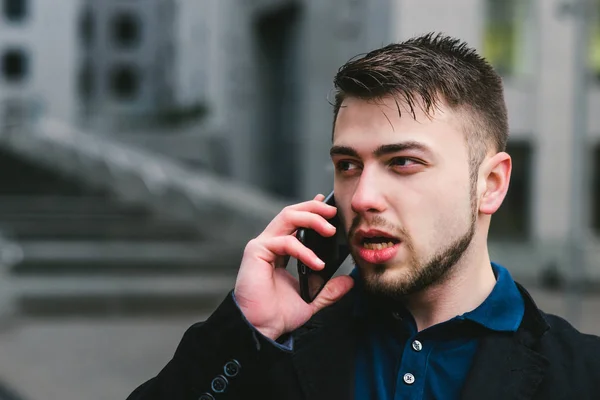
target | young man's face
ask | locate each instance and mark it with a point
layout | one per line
(404, 192)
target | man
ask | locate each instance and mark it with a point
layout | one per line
(419, 135)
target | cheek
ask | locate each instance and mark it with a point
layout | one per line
(344, 212)
(435, 208)
(453, 209)
(343, 199)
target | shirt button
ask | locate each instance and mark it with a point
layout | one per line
(206, 396)
(397, 315)
(409, 379)
(417, 346)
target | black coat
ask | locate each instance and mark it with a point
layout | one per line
(545, 359)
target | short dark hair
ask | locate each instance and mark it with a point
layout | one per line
(422, 71)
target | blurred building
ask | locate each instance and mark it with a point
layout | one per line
(127, 58)
(271, 78)
(38, 57)
(244, 89)
(66, 240)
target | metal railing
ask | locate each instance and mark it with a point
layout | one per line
(217, 205)
(220, 208)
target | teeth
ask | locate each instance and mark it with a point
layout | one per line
(377, 246)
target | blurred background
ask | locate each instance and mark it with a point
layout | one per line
(143, 143)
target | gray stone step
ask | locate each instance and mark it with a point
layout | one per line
(121, 257)
(119, 296)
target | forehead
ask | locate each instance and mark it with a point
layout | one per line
(367, 124)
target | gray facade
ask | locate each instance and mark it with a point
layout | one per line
(127, 58)
(272, 65)
(38, 57)
(264, 71)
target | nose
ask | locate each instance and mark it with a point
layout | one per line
(368, 196)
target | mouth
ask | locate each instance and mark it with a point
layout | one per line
(375, 240)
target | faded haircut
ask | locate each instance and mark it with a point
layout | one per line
(425, 71)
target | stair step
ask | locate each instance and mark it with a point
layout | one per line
(110, 296)
(53, 202)
(97, 229)
(124, 258)
(157, 285)
(33, 216)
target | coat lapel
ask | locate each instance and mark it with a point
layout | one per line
(325, 353)
(507, 366)
(504, 369)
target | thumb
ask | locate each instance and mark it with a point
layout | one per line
(334, 290)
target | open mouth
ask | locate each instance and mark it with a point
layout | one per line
(378, 242)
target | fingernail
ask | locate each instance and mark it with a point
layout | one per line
(320, 262)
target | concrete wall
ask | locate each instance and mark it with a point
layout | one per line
(192, 38)
(153, 56)
(47, 36)
(326, 34)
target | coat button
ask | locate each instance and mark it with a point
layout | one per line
(409, 379)
(206, 396)
(219, 384)
(232, 368)
(417, 346)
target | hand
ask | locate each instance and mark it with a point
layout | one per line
(267, 294)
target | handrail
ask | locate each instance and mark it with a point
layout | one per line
(216, 205)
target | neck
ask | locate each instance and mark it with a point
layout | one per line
(467, 285)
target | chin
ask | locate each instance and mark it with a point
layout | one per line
(388, 280)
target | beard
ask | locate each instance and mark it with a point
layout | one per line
(420, 274)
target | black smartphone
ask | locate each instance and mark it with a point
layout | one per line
(332, 250)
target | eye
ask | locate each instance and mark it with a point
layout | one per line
(345, 165)
(402, 162)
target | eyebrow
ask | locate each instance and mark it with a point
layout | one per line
(381, 150)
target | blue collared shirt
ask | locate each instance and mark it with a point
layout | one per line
(397, 362)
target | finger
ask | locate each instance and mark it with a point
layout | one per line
(316, 206)
(303, 219)
(334, 290)
(290, 246)
(315, 217)
(319, 197)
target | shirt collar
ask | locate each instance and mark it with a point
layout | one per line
(501, 311)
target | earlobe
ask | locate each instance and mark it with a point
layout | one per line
(496, 172)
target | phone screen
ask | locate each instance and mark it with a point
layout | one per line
(332, 250)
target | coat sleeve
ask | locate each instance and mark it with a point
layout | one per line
(216, 359)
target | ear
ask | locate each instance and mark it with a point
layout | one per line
(495, 174)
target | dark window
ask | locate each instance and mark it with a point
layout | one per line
(512, 220)
(14, 65)
(86, 27)
(126, 30)
(125, 82)
(86, 81)
(596, 190)
(15, 10)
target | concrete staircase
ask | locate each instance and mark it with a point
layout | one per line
(72, 249)
(90, 223)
